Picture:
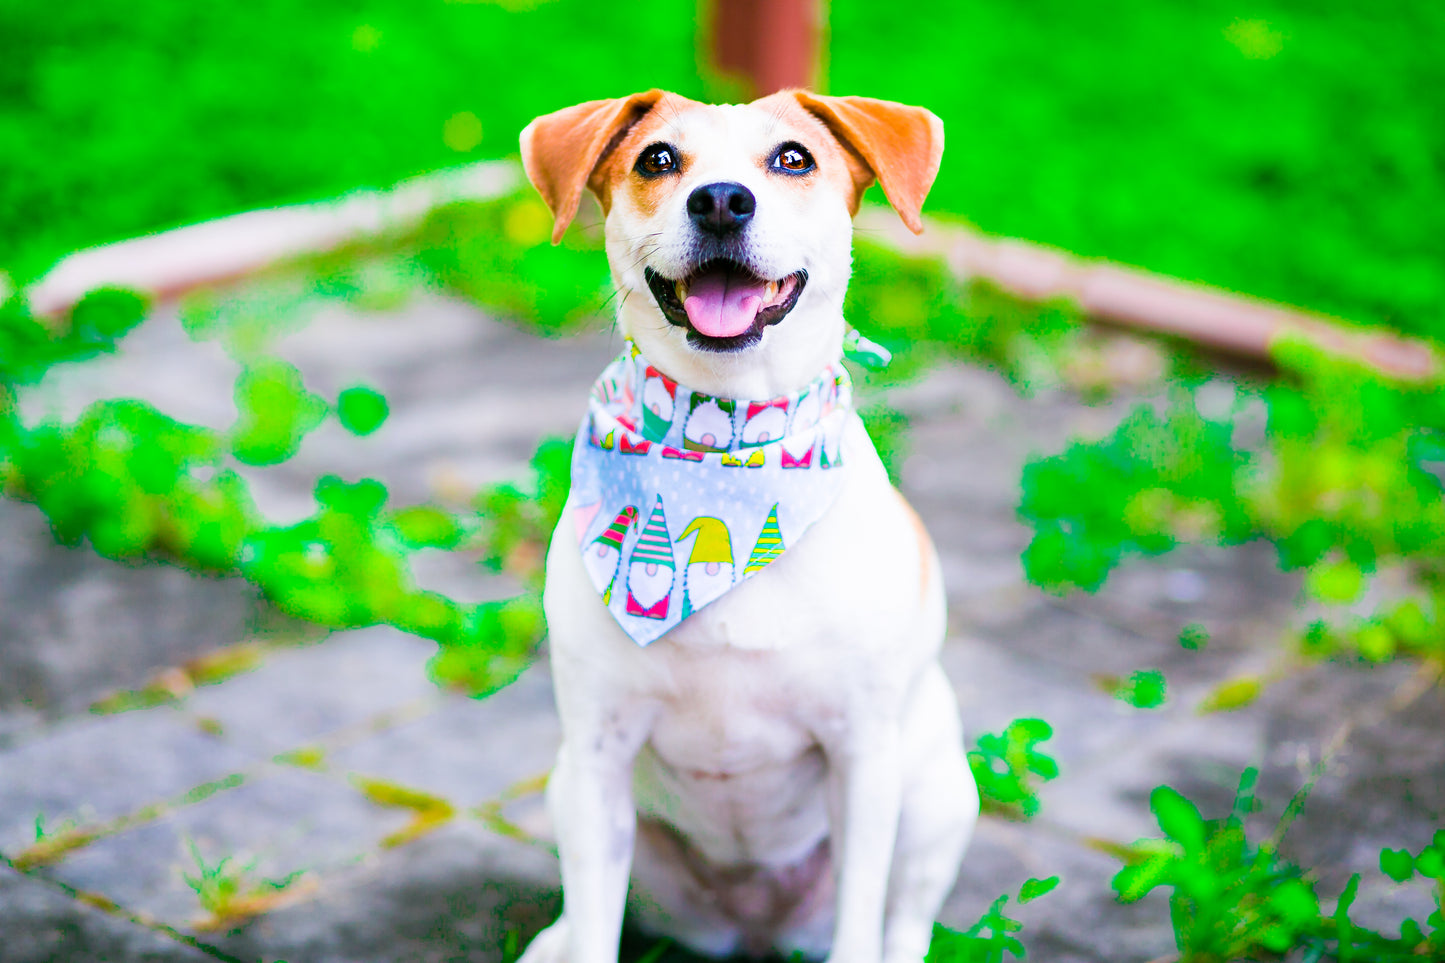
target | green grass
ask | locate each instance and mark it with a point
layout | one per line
(1288, 148)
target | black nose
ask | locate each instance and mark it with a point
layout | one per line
(721, 208)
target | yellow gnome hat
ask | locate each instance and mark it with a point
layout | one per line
(713, 542)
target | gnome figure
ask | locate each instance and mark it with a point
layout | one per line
(766, 421)
(659, 395)
(603, 558)
(709, 423)
(651, 570)
(769, 546)
(798, 443)
(709, 571)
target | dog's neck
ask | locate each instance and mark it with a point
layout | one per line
(785, 361)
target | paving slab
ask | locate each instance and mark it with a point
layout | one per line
(74, 625)
(297, 696)
(40, 923)
(93, 769)
(467, 751)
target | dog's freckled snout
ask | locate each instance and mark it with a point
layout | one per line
(721, 208)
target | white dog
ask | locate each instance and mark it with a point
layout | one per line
(771, 747)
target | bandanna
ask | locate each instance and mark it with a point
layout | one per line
(678, 495)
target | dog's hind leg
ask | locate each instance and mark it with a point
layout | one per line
(940, 806)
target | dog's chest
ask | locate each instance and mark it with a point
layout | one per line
(732, 761)
(731, 712)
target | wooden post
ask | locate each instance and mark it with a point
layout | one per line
(768, 45)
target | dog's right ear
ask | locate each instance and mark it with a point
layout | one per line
(561, 151)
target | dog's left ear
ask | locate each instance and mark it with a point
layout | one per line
(562, 150)
(901, 146)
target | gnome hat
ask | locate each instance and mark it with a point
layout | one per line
(713, 542)
(769, 546)
(756, 408)
(654, 545)
(617, 531)
(668, 384)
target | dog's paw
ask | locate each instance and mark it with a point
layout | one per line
(548, 946)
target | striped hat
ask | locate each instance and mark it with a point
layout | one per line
(654, 545)
(769, 546)
(617, 531)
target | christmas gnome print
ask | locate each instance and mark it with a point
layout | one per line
(765, 421)
(670, 487)
(798, 444)
(651, 569)
(709, 424)
(709, 571)
(769, 545)
(659, 397)
(603, 558)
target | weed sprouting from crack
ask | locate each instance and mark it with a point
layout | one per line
(231, 895)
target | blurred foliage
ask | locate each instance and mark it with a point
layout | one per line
(1345, 481)
(1232, 898)
(1267, 148)
(992, 936)
(1144, 689)
(275, 412)
(499, 254)
(137, 483)
(888, 427)
(519, 518)
(29, 347)
(918, 310)
(1008, 768)
(361, 410)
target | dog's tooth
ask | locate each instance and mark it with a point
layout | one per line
(771, 290)
(681, 287)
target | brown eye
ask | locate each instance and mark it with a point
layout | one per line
(657, 159)
(793, 158)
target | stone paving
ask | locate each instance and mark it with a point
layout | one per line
(269, 765)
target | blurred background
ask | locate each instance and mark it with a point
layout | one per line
(1289, 150)
(1165, 386)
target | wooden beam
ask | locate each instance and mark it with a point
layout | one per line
(1138, 299)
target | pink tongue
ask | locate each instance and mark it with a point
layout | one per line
(720, 304)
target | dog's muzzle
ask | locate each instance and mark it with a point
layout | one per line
(723, 304)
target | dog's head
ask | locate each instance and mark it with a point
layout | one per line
(729, 227)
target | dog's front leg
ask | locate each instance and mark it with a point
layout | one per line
(865, 781)
(590, 799)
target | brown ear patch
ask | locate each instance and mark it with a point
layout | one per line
(901, 145)
(562, 150)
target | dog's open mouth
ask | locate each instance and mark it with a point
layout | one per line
(723, 305)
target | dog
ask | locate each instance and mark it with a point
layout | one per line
(775, 755)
